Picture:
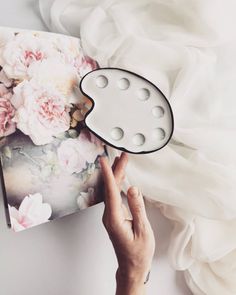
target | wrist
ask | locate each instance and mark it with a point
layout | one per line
(129, 283)
(132, 273)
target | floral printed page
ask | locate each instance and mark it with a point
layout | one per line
(49, 159)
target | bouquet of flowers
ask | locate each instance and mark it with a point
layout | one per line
(49, 158)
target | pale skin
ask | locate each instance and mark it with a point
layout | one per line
(131, 234)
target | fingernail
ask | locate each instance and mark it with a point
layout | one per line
(134, 191)
(99, 159)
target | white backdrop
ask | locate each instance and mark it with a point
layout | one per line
(72, 255)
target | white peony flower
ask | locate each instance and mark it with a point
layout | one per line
(86, 199)
(70, 157)
(74, 153)
(41, 111)
(31, 212)
(23, 51)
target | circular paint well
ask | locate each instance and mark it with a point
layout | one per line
(158, 112)
(123, 84)
(138, 139)
(158, 133)
(101, 81)
(143, 94)
(117, 133)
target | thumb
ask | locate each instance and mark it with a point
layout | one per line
(137, 208)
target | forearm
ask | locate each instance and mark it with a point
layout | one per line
(129, 286)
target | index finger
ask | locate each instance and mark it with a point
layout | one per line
(119, 171)
(113, 199)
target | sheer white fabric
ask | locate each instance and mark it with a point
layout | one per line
(188, 49)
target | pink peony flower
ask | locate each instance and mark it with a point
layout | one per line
(74, 153)
(4, 92)
(41, 111)
(24, 50)
(87, 65)
(62, 76)
(31, 212)
(7, 112)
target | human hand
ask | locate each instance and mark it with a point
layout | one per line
(132, 237)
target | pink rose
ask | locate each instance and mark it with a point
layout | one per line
(7, 112)
(31, 212)
(41, 111)
(73, 154)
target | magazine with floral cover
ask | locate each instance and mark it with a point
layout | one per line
(49, 159)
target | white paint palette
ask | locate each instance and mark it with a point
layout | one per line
(129, 112)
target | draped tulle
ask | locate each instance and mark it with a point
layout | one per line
(188, 49)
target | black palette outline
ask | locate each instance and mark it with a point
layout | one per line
(93, 105)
